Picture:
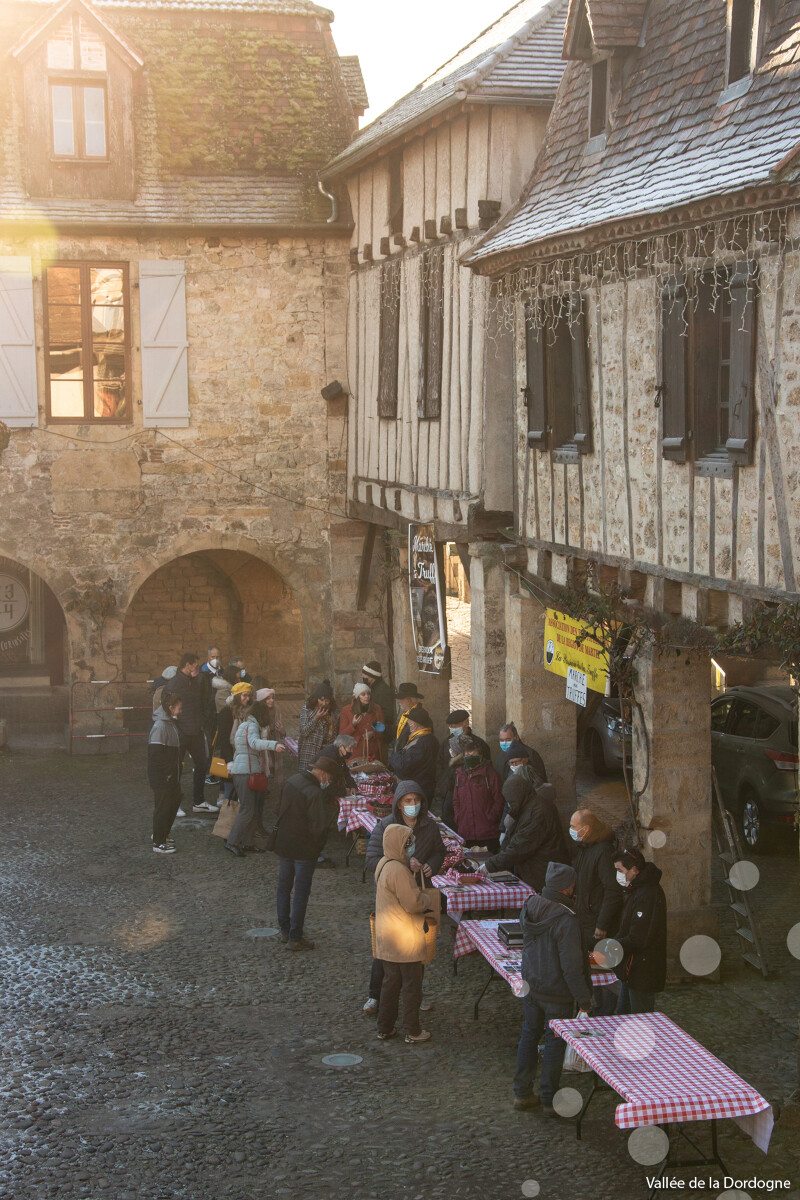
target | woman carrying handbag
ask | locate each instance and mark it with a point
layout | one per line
(250, 774)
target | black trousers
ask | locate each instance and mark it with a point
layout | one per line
(397, 977)
(195, 744)
(166, 802)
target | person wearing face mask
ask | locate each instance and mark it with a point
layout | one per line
(186, 685)
(533, 832)
(236, 664)
(450, 757)
(164, 770)
(417, 758)
(362, 719)
(410, 810)
(642, 933)
(304, 821)
(401, 910)
(508, 736)
(477, 798)
(556, 968)
(599, 896)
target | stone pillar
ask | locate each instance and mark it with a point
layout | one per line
(674, 696)
(96, 689)
(535, 698)
(488, 639)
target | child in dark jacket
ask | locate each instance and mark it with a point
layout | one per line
(164, 770)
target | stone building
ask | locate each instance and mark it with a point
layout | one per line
(430, 430)
(172, 301)
(651, 273)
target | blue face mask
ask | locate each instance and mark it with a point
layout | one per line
(573, 833)
(243, 673)
(412, 810)
(410, 848)
(505, 746)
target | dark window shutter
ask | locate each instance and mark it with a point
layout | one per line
(558, 372)
(582, 416)
(742, 365)
(674, 363)
(389, 339)
(536, 385)
(707, 324)
(432, 334)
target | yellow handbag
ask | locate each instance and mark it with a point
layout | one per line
(218, 767)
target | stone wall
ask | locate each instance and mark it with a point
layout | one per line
(259, 471)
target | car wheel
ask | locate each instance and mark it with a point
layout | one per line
(596, 754)
(751, 825)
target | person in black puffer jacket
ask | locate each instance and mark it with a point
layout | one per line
(534, 836)
(305, 819)
(642, 933)
(599, 896)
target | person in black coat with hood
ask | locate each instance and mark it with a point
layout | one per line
(417, 759)
(642, 933)
(534, 836)
(305, 818)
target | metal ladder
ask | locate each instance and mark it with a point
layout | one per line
(730, 851)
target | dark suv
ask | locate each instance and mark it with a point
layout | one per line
(754, 752)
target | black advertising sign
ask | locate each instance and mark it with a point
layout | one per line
(426, 595)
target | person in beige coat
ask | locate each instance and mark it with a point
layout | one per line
(401, 912)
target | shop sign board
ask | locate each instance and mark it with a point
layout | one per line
(568, 645)
(426, 595)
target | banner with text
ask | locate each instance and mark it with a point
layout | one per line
(427, 600)
(568, 644)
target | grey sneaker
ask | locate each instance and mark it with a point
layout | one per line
(163, 848)
(371, 1008)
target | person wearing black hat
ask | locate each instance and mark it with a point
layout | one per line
(305, 819)
(450, 757)
(407, 696)
(382, 695)
(509, 735)
(416, 760)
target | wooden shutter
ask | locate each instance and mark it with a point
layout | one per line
(742, 365)
(674, 369)
(536, 382)
(582, 416)
(165, 377)
(19, 406)
(389, 339)
(707, 322)
(558, 372)
(432, 339)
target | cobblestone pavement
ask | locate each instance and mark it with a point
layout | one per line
(150, 1049)
(458, 635)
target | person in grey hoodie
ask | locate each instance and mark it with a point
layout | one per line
(556, 968)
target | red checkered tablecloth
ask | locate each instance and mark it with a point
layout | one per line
(482, 936)
(664, 1076)
(354, 814)
(469, 897)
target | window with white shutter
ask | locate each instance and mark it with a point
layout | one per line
(165, 376)
(18, 396)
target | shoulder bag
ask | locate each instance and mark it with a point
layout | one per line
(219, 767)
(257, 780)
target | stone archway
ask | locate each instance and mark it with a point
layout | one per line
(34, 657)
(228, 598)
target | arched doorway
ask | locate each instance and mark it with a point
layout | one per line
(34, 700)
(224, 598)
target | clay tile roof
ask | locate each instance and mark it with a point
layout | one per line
(518, 57)
(676, 136)
(290, 8)
(616, 22)
(354, 81)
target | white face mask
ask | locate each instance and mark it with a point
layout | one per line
(243, 672)
(573, 833)
(213, 662)
(517, 768)
(622, 879)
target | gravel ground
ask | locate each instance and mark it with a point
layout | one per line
(151, 1049)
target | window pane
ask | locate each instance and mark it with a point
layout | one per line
(66, 398)
(744, 720)
(767, 724)
(109, 400)
(65, 324)
(63, 285)
(59, 48)
(94, 120)
(719, 715)
(93, 50)
(106, 284)
(63, 124)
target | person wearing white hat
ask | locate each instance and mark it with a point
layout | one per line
(362, 719)
(382, 694)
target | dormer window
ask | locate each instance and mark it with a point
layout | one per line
(748, 25)
(76, 66)
(598, 99)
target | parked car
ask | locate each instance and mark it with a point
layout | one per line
(603, 739)
(754, 753)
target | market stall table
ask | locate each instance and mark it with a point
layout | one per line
(665, 1077)
(487, 896)
(354, 816)
(504, 961)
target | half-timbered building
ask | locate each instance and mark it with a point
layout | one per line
(651, 273)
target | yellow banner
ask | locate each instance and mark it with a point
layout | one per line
(563, 650)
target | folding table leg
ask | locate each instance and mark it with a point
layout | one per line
(350, 850)
(586, 1103)
(484, 990)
